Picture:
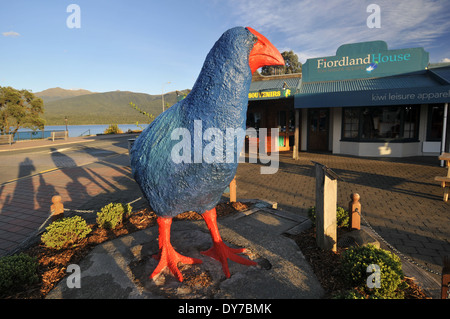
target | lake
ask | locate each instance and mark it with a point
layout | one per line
(78, 130)
(74, 130)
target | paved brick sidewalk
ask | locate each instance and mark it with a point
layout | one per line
(399, 197)
(29, 144)
(25, 203)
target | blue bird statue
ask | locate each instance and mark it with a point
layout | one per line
(176, 176)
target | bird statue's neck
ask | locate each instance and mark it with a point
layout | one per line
(222, 90)
(224, 82)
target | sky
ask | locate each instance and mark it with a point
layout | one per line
(160, 46)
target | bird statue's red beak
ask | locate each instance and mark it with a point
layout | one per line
(263, 53)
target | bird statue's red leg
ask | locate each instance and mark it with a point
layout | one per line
(220, 251)
(167, 255)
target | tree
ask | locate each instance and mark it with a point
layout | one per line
(19, 108)
(149, 116)
(291, 65)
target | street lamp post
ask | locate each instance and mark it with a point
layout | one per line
(67, 131)
(162, 95)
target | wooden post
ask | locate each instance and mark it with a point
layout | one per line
(233, 191)
(355, 211)
(326, 202)
(57, 209)
(297, 134)
(445, 289)
(445, 180)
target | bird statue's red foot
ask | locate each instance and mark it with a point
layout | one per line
(220, 251)
(167, 256)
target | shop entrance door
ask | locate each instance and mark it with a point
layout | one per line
(318, 124)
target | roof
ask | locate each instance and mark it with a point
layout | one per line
(275, 84)
(428, 86)
(392, 82)
(441, 71)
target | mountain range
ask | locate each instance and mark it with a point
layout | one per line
(86, 107)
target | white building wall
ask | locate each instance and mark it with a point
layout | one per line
(336, 118)
(384, 149)
(380, 149)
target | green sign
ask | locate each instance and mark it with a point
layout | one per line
(364, 60)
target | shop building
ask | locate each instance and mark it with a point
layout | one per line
(271, 105)
(366, 100)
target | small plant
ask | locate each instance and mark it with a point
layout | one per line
(112, 215)
(113, 129)
(342, 216)
(354, 263)
(65, 232)
(16, 272)
(349, 294)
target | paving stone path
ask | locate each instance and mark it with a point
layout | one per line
(399, 197)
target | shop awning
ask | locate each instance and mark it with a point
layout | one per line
(441, 71)
(429, 86)
(274, 88)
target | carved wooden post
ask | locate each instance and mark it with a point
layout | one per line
(57, 209)
(326, 200)
(233, 191)
(355, 211)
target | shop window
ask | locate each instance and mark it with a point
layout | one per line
(435, 116)
(411, 122)
(380, 123)
(254, 120)
(282, 121)
(351, 123)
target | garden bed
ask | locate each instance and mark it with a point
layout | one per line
(52, 263)
(326, 266)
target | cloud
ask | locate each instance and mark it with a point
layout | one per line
(12, 34)
(313, 28)
(446, 60)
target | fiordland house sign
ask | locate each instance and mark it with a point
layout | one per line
(365, 60)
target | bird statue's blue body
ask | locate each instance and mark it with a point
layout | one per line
(218, 101)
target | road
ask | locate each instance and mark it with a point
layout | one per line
(17, 164)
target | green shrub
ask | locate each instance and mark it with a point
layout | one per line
(16, 272)
(349, 294)
(112, 215)
(354, 263)
(113, 129)
(65, 232)
(342, 216)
